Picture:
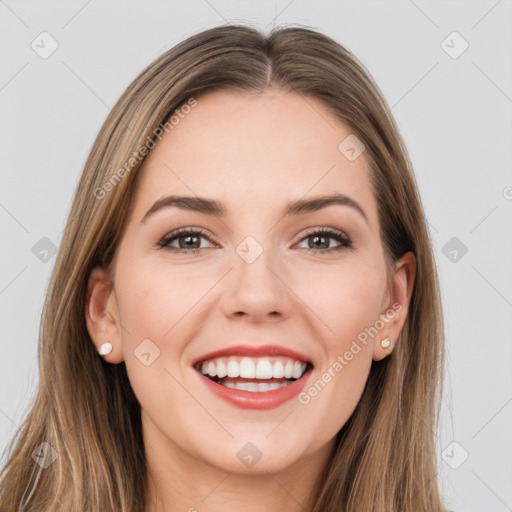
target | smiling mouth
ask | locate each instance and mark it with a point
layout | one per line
(254, 374)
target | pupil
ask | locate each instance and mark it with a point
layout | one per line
(188, 241)
(324, 241)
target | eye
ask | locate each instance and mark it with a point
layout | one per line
(189, 240)
(321, 240)
(184, 240)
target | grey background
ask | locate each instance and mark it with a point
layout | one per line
(455, 117)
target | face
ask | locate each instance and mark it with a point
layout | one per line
(254, 264)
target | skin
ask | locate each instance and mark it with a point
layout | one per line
(254, 154)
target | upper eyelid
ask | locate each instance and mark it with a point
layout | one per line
(324, 229)
(203, 232)
(188, 230)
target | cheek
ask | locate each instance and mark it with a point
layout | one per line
(153, 313)
(154, 298)
(348, 302)
(144, 310)
(346, 298)
(150, 306)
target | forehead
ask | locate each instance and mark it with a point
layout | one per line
(242, 149)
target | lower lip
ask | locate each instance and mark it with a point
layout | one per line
(263, 400)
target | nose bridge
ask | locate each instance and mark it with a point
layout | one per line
(254, 288)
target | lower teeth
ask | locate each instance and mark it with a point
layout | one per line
(256, 387)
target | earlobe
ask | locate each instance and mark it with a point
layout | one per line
(101, 314)
(400, 294)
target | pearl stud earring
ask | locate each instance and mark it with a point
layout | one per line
(105, 349)
(386, 343)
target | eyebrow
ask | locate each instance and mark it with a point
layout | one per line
(216, 209)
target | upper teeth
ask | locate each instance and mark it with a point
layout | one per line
(254, 368)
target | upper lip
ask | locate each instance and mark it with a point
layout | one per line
(252, 351)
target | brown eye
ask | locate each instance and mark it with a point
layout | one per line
(326, 240)
(189, 241)
(184, 240)
(318, 242)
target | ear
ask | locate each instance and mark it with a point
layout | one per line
(397, 306)
(101, 314)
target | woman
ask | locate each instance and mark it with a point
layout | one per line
(244, 300)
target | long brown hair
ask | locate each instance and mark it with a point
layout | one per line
(85, 409)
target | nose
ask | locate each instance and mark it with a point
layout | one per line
(256, 290)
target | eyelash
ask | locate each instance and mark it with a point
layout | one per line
(344, 240)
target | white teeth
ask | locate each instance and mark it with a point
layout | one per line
(297, 370)
(256, 387)
(254, 368)
(212, 369)
(222, 371)
(278, 371)
(247, 368)
(247, 386)
(233, 369)
(288, 369)
(264, 369)
(264, 386)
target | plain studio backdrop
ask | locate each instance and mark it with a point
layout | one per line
(446, 70)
